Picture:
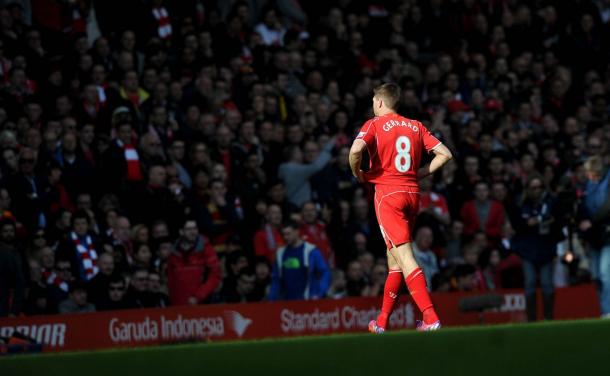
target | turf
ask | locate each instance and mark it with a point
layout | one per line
(557, 348)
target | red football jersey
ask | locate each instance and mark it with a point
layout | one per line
(395, 146)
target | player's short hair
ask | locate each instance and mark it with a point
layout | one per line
(389, 93)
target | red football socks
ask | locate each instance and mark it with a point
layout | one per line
(390, 294)
(416, 282)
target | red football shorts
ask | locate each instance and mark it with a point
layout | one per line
(396, 207)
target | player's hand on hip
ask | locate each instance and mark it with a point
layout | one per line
(422, 173)
(361, 176)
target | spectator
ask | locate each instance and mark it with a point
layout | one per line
(151, 151)
(490, 269)
(314, 231)
(367, 260)
(594, 225)
(97, 287)
(176, 155)
(77, 303)
(140, 234)
(339, 232)
(142, 257)
(220, 218)
(535, 241)
(472, 253)
(81, 247)
(344, 183)
(163, 250)
(12, 283)
(38, 302)
(193, 270)
(27, 191)
(46, 256)
(244, 287)
(465, 278)
(440, 283)
(263, 278)
(356, 280)
(299, 271)
(157, 297)
(56, 195)
(377, 280)
(454, 242)
(295, 174)
(115, 295)
(432, 203)
(482, 214)
(137, 295)
(271, 30)
(361, 223)
(59, 282)
(155, 201)
(121, 161)
(338, 285)
(235, 262)
(131, 91)
(321, 182)
(268, 239)
(424, 255)
(119, 237)
(253, 180)
(159, 230)
(224, 152)
(76, 170)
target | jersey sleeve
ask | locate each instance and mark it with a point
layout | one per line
(430, 142)
(367, 133)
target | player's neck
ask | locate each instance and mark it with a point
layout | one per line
(385, 111)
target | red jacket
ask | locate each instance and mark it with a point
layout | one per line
(193, 272)
(316, 235)
(493, 225)
(266, 242)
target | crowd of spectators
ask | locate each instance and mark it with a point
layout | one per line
(158, 152)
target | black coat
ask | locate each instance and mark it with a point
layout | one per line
(537, 243)
(29, 197)
(12, 282)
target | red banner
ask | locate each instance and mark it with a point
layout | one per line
(259, 320)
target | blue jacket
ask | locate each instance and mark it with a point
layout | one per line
(596, 194)
(299, 273)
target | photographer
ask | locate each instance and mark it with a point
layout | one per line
(535, 242)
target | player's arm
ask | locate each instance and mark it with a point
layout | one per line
(442, 155)
(355, 158)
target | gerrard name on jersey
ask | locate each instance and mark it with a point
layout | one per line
(394, 123)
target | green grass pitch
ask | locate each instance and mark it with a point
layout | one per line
(548, 348)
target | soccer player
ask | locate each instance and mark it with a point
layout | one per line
(395, 144)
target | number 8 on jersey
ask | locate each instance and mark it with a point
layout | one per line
(403, 158)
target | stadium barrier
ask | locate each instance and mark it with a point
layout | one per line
(130, 328)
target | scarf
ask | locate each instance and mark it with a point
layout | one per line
(87, 253)
(271, 243)
(134, 172)
(101, 94)
(51, 278)
(164, 27)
